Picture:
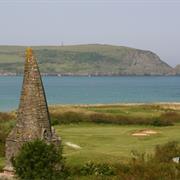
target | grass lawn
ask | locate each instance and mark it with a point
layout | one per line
(110, 143)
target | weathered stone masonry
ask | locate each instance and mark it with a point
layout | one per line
(33, 119)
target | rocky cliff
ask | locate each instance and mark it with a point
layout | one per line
(177, 69)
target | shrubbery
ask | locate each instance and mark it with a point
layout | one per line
(159, 166)
(77, 117)
(91, 168)
(68, 117)
(170, 117)
(165, 153)
(38, 160)
(5, 129)
(6, 116)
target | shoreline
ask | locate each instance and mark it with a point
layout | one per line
(166, 105)
(92, 75)
(118, 104)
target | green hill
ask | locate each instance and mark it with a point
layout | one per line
(92, 59)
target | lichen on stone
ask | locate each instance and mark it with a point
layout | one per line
(29, 53)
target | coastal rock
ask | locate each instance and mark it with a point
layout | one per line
(177, 69)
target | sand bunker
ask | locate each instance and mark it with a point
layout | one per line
(145, 132)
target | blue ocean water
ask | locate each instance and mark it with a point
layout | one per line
(93, 90)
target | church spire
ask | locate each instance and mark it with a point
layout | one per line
(33, 120)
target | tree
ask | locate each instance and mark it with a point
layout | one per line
(38, 160)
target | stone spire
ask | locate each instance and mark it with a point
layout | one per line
(33, 119)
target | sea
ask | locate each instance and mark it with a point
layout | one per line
(95, 90)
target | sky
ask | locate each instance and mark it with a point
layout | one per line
(144, 24)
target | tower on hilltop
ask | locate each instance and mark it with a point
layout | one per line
(33, 120)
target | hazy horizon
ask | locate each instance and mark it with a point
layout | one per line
(141, 24)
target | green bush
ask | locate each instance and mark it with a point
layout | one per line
(161, 122)
(165, 153)
(76, 117)
(170, 117)
(67, 118)
(5, 129)
(7, 122)
(91, 168)
(158, 166)
(6, 116)
(38, 160)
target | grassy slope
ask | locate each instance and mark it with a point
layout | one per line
(79, 59)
